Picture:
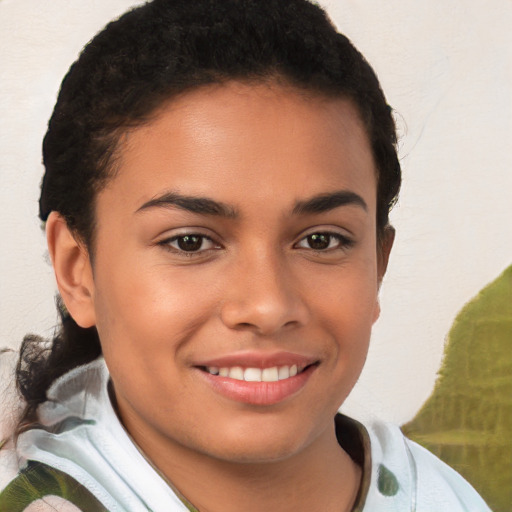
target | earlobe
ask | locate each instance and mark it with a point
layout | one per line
(376, 312)
(73, 271)
(385, 244)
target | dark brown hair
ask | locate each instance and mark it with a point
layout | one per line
(146, 57)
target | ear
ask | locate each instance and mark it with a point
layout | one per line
(73, 270)
(384, 245)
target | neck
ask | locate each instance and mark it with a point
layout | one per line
(320, 477)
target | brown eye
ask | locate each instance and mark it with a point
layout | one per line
(319, 241)
(189, 242)
(193, 243)
(325, 242)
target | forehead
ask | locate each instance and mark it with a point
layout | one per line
(237, 139)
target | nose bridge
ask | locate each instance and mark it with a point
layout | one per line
(263, 295)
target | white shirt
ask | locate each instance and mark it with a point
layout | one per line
(83, 437)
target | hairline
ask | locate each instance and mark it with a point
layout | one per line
(273, 78)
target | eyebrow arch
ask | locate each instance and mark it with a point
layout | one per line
(326, 202)
(201, 205)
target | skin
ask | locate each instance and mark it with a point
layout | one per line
(255, 286)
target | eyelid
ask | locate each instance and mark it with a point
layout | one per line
(345, 241)
(166, 240)
(178, 231)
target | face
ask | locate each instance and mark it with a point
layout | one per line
(235, 274)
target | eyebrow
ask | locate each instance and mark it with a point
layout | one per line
(326, 202)
(206, 206)
(200, 205)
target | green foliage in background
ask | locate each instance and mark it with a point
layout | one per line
(467, 421)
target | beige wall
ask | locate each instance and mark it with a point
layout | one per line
(446, 69)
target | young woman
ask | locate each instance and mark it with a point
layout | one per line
(216, 197)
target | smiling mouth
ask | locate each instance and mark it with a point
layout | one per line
(272, 374)
(261, 385)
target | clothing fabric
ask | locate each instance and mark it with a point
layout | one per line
(81, 455)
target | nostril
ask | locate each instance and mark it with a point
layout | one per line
(263, 313)
(245, 325)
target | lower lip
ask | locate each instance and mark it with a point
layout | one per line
(259, 393)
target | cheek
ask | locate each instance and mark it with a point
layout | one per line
(141, 313)
(346, 296)
(348, 307)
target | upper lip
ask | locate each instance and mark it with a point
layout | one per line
(256, 359)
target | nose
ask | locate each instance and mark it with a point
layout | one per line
(263, 296)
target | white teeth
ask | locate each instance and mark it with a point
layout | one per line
(252, 375)
(284, 372)
(236, 373)
(272, 374)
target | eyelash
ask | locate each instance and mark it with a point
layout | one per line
(167, 244)
(344, 243)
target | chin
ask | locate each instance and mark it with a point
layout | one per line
(257, 452)
(259, 443)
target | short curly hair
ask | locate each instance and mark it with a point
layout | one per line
(154, 53)
(167, 47)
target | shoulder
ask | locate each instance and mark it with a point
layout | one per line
(32, 487)
(405, 472)
(10, 409)
(11, 404)
(38, 488)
